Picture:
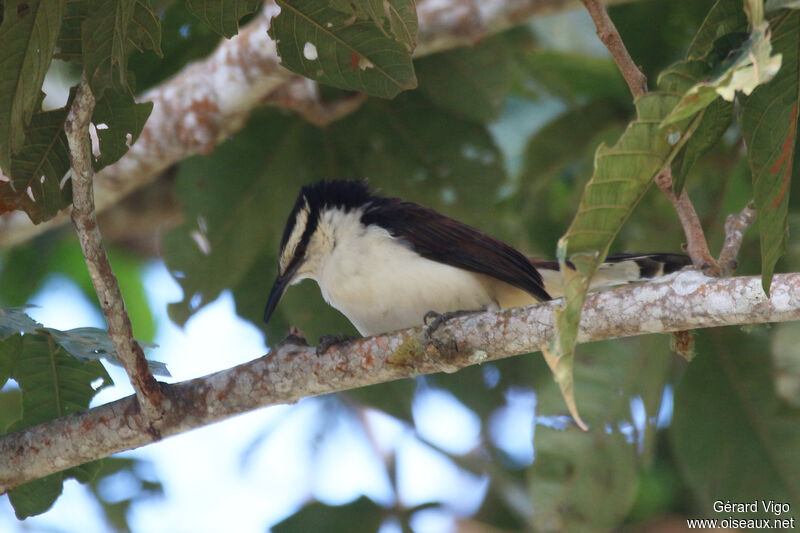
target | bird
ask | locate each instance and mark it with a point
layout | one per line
(386, 263)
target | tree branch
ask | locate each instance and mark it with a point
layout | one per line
(696, 244)
(608, 34)
(105, 283)
(290, 372)
(210, 100)
(735, 227)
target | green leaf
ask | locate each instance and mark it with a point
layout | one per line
(769, 126)
(330, 47)
(587, 481)
(733, 382)
(581, 481)
(395, 17)
(15, 320)
(622, 175)
(753, 65)
(38, 169)
(105, 39)
(725, 17)
(226, 219)
(10, 404)
(9, 353)
(471, 82)
(571, 76)
(92, 344)
(334, 518)
(715, 122)
(68, 45)
(145, 30)
(772, 5)
(37, 496)
(222, 16)
(28, 35)
(119, 121)
(85, 344)
(563, 139)
(53, 383)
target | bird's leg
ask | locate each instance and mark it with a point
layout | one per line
(433, 320)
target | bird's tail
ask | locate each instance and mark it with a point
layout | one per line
(618, 269)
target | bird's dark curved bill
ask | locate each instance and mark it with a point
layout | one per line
(275, 295)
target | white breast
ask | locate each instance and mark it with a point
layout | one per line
(381, 285)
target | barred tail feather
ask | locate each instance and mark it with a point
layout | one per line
(618, 269)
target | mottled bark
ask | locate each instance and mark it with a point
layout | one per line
(683, 301)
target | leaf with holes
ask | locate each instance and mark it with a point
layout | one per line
(37, 173)
(119, 121)
(28, 35)
(222, 16)
(769, 126)
(105, 43)
(753, 65)
(622, 175)
(340, 50)
(395, 17)
(725, 17)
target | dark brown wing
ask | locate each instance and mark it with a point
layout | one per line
(440, 238)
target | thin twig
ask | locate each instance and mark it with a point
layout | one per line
(105, 283)
(292, 370)
(696, 244)
(735, 227)
(608, 34)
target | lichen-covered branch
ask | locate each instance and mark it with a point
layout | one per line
(210, 100)
(735, 227)
(120, 332)
(683, 301)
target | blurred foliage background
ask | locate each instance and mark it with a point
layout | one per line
(500, 135)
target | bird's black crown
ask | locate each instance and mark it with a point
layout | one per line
(342, 194)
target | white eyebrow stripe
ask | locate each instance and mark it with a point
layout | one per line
(300, 223)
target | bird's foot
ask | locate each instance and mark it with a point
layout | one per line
(326, 341)
(295, 337)
(433, 320)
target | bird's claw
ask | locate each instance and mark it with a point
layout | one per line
(326, 341)
(433, 320)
